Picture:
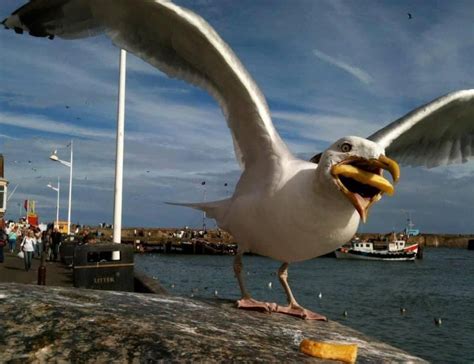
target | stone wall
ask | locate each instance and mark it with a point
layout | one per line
(53, 324)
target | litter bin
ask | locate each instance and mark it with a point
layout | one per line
(97, 267)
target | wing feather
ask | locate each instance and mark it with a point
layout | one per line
(181, 44)
(438, 133)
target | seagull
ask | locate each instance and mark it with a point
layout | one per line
(282, 207)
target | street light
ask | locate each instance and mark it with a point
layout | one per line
(203, 183)
(54, 157)
(57, 189)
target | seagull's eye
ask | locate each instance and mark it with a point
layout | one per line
(346, 147)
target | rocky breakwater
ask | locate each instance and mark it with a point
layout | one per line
(65, 324)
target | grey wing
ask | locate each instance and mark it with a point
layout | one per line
(438, 133)
(181, 44)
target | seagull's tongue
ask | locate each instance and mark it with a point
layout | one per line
(361, 201)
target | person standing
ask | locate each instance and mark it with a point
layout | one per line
(28, 248)
(56, 240)
(3, 242)
(39, 242)
(47, 245)
(12, 239)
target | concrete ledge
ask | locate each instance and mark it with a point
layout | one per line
(145, 284)
(76, 325)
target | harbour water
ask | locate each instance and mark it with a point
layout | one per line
(371, 293)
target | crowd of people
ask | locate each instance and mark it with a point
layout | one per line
(29, 241)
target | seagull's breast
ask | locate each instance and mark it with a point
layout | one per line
(294, 221)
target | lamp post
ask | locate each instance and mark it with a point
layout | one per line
(203, 183)
(54, 157)
(57, 189)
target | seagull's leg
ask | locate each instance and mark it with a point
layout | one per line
(293, 307)
(247, 302)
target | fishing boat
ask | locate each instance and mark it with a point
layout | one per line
(393, 248)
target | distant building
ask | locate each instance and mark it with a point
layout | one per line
(3, 189)
(62, 227)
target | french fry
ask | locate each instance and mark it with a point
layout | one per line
(346, 353)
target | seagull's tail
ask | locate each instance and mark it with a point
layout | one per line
(69, 19)
(213, 209)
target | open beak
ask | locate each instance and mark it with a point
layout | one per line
(362, 181)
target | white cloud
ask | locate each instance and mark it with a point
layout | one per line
(322, 127)
(46, 125)
(358, 73)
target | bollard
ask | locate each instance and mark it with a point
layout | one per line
(42, 271)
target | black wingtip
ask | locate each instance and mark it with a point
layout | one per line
(316, 158)
(4, 23)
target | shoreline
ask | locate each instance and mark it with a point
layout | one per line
(165, 239)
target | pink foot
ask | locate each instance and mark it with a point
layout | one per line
(251, 304)
(300, 312)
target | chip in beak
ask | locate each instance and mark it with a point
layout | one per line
(362, 181)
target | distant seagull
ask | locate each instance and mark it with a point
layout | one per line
(216, 293)
(403, 310)
(270, 284)
(438, 321)
(409, 16)
(345, 314)
(283, 207)
(320, 295)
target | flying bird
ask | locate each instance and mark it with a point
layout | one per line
(283, 207)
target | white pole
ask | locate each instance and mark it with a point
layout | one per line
(70, 192)
(204, 212)
(57, 206)
(119, 153)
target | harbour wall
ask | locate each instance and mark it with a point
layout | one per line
(160, 236)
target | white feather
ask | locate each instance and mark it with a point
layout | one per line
(438, 133)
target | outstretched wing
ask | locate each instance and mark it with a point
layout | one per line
(179, 43)
(438, 133)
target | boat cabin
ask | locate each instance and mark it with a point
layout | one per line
(378, 245)
(363, 246)
(396, 245)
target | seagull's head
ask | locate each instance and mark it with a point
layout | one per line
(355, 165)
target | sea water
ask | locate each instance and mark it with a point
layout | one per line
(373, 294)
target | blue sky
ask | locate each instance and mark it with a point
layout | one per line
(328, 69)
